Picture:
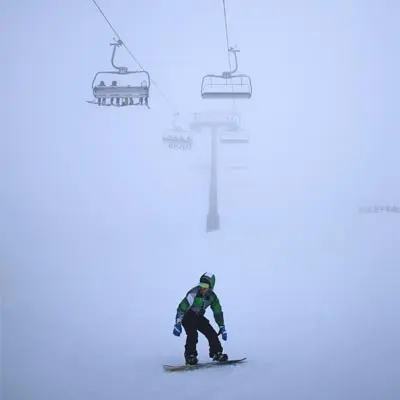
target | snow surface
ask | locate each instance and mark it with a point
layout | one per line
(102, 228)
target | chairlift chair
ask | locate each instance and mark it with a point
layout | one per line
(131, 92)
(228, 85)
(175, 137)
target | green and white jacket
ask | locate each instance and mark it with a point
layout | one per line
(195, 301)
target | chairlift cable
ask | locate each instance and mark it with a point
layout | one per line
(228, 46)
(130, 52)
(227, 36)
(116, 33)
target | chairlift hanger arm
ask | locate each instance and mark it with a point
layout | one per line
(229, 74)
(116, 44)
(174, 122)
(234, 51)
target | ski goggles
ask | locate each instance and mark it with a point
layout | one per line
(204, 285)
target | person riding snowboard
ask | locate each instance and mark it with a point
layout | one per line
(190, 315)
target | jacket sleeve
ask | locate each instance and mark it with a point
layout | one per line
(217, 310)
(185, 305)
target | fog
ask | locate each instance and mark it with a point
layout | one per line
(103, 226)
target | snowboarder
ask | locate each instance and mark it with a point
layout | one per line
(190, 315)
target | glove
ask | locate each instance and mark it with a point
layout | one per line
(223, 333)
(177, 330)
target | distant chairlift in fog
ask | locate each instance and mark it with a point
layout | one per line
(177, 138)
(235, 134)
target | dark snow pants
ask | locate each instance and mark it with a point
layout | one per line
(192, 323)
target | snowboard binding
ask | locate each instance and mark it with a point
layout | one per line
(220, 357)
(191, 359)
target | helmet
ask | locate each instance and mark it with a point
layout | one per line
(209, 279)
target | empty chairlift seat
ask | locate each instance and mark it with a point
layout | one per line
(228, 85)
(219, 87)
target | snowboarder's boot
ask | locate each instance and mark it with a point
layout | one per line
(220, 357)
(191, 359)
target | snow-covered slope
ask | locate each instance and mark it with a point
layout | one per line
(314, 312)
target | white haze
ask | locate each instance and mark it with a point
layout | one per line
(102, 227)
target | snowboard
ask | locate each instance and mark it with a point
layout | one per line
(211, 364)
